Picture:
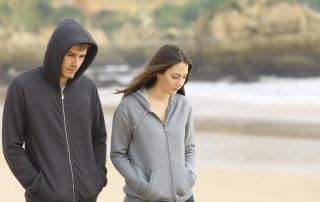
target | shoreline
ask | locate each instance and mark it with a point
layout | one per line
(258, 127)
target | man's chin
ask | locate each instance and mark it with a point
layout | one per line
(71, 76)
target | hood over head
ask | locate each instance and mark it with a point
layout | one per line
(68, 33)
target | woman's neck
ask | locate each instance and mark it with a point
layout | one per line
(158, 101)
(157, 94)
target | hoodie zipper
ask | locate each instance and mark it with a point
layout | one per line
(69, 153)
(168, 157)
(170, 164)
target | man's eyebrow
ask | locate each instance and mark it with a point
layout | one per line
(69, 51)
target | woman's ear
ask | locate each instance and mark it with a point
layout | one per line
(158, 75)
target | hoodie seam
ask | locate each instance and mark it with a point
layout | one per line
(140, 119)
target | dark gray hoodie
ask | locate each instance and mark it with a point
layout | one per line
(157, 160)
(55, 142)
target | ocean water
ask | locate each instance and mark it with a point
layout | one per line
(268, 91)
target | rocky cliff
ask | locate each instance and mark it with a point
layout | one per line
(240, 38)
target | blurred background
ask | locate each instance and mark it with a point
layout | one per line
(255, 85)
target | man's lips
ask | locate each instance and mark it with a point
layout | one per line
(72, 70)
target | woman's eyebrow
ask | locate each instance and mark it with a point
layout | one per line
(179, 74)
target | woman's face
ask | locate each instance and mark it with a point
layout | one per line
(173, 78)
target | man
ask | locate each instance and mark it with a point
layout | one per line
(54, 136)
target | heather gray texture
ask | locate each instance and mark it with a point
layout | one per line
(157, 160)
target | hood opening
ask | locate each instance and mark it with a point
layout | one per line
(68, 33)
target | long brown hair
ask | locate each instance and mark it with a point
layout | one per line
(164, 58)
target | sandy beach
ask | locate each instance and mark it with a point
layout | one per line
(214, 184)
(233, 166)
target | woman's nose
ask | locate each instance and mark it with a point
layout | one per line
(181, 82)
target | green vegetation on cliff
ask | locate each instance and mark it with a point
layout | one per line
(239, 38)
(183, 15)
(32, 15)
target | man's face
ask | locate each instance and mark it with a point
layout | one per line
(71, 63)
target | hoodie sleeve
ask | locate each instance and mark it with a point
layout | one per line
(120, 140)
(190, 145)
(13, 138)
(99, 138)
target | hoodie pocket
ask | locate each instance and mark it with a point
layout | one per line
(159, 185)
(42, 191)
(91, 185)
(183, 179)
(102, 178)
(49, 194)
(35, 186)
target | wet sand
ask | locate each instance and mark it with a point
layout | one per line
(213, 184)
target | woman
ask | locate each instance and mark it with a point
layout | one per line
(152, 142)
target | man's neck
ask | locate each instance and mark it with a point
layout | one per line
(63, 81)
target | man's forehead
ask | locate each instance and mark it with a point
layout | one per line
(78, 48)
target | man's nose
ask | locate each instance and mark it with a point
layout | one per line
(76, 61)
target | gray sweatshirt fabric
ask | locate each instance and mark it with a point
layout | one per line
(55, 142)
(156, 160)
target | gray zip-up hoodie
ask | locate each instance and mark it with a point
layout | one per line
(55, 142)
(157, 160)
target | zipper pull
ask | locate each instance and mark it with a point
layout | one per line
(165, 128)
(62, 95)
